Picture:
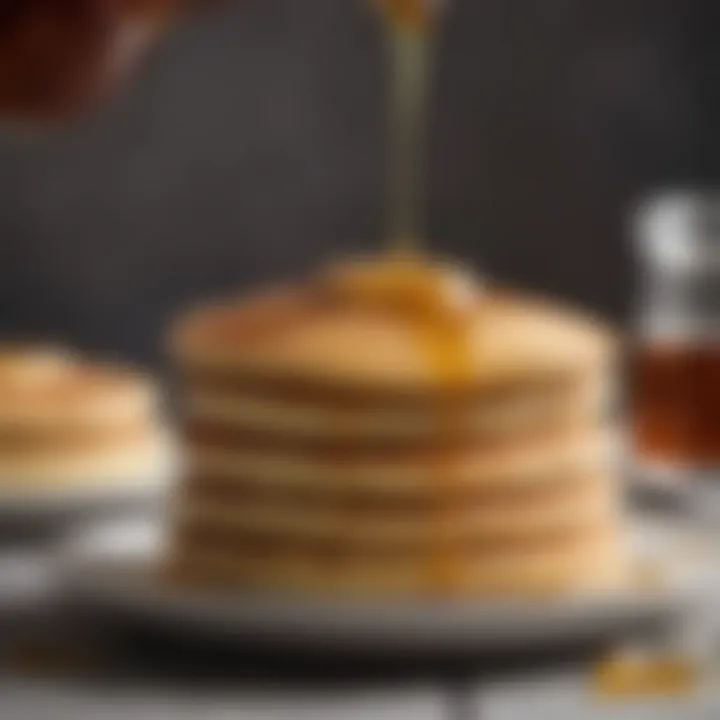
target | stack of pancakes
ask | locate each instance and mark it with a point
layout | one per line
(374, 436)
(65, 422)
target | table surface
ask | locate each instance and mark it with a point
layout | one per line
(53, 660)
(58, 665)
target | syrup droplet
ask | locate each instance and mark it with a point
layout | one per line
(415, 14)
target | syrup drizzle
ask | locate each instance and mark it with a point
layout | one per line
(410, 34)
(445, 345)
(441, 330)
(436, 306)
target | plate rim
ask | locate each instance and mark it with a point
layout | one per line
(428, 625)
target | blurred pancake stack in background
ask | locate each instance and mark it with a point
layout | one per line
(392, 427)
(66, 423)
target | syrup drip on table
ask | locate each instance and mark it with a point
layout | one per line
(660, 675)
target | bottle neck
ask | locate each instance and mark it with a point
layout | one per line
(680, 302)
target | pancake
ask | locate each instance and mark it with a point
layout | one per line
(396, 428)
(292, 337)
(528, 516)
(410, 501)
(79, 395)
(597, 564)
(122, 463)
(532, 463)
(489, 415)
(64, 421)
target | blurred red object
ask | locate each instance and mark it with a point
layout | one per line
(62, 57)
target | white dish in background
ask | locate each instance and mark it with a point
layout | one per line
(112, 568)
(69, 499)
(21, 500)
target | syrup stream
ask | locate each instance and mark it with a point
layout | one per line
(410, 25)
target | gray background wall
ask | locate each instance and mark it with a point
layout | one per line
(251, 146)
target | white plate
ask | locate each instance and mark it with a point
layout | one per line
(113, 567)
(21, 503)
(61, 500)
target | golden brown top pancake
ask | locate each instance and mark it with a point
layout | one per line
(378, 329)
